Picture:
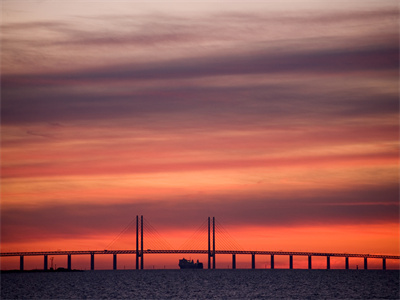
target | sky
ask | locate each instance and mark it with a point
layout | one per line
(278, 118)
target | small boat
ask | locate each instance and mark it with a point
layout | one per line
(190, 264)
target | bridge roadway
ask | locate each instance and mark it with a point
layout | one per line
(150, 251)
(140, 253)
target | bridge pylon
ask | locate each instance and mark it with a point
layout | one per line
(211, 252)
(139, 251)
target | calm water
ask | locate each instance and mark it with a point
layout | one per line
(198, 284)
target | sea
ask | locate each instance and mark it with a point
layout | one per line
(202, 284)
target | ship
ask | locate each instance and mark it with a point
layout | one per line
(190, 264)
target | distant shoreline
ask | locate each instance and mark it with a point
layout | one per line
(40, 271)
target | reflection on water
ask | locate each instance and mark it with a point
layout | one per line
(197, 284)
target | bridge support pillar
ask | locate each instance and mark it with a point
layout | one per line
(383, 263)
(291, 262)
(45, 263)
(213, 260)
(233, 261)
(347, 263)
(114, 261)
(141, 262)
(309, 262)
(211, 256)
(253, 261)
(69, 262)
(21, 262)
(91, 261)
(272, 262)
(328, 262)
(365, 264)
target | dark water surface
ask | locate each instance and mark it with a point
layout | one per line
(203, 284)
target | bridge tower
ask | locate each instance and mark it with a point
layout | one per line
(139, 252)
(211, 252)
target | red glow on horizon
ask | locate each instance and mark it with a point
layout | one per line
(344, 239)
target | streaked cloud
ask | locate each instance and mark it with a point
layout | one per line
(336, 208)
(266, 118)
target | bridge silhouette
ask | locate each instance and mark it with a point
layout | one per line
(164, 248)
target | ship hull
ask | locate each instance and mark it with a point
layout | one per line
(189, 264)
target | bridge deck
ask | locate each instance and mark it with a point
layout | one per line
(149, 251)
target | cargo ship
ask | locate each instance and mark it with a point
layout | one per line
(190, 264)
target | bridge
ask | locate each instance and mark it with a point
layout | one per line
(211, 251)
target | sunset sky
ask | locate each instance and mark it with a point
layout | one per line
(279, 118)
